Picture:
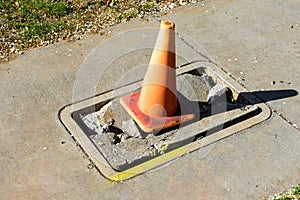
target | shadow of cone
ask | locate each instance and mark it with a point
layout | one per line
(155, 106)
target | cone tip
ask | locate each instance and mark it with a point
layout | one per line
(167, 24)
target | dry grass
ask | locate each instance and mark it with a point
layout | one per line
(291, 194)
(27, 24)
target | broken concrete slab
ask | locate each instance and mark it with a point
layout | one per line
(115, 147)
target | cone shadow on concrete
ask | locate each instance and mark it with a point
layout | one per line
(272, 95)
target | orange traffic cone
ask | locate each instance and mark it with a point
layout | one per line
(155, 106)
(158, 94)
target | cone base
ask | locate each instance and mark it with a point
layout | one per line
(152, 123)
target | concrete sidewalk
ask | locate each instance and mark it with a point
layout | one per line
(257, 42)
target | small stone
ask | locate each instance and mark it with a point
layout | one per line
(217, 93)
(172, 5)
(105, 128)
(16, 4)
(130, 127)
(90, 166)
(273, 82)
(182, 3)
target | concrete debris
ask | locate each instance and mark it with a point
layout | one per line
(217, 94)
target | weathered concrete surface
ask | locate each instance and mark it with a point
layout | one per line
(256, 41)
(39, 160)
(249, 165)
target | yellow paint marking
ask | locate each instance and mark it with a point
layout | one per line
(129, 173)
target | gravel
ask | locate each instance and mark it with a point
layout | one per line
(29, 24)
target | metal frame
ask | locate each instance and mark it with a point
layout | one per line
(65, 115)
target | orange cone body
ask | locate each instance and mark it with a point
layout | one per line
(158, 93)
(154, 107)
